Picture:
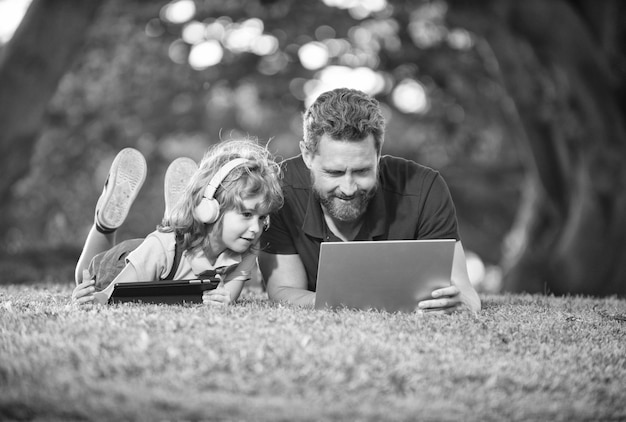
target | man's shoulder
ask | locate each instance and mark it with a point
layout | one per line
(295, 173)
(400, 172)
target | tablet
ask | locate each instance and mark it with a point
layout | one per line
(391, 275)
(163, 291)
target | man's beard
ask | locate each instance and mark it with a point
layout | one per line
(342, 208)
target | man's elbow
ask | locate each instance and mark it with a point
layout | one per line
(291, 295)
(273, 293)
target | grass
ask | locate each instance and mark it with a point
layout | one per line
(522, 358)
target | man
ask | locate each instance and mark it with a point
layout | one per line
(340, 188)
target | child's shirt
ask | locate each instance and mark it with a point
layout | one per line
(154, 257)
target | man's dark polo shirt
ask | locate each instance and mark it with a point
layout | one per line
(412, 202)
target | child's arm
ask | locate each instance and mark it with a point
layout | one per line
(232, 283)
(85, 292)
(224, 293)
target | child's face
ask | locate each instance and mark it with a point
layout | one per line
(241, 229)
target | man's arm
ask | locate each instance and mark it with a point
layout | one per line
(286, 279)
(460, 294)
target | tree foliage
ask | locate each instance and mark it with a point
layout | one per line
(29, 76)
(567, 83)
(512, 89)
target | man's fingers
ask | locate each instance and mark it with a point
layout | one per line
(438, 303)
(446, 291)
(445, 301)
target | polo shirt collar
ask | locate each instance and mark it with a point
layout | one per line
(375, 218)
(314, 223)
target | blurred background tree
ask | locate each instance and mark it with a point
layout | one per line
(520, 106)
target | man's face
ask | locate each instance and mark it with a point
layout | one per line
(344, 175)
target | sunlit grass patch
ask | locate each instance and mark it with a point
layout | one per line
(523, 357)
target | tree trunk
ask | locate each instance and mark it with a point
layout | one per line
(41, 50)
(570, 236)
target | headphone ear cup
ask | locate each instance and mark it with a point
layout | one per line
(208, 210)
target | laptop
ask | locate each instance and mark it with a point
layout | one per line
(163, 291)
(391, 275)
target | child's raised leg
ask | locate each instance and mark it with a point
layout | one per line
(177, 176)
(125, 179)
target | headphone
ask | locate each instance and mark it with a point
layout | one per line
(208, 210)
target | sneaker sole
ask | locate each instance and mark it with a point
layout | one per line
(177, 177)
(127, 174)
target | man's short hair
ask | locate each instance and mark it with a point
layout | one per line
(343, 114)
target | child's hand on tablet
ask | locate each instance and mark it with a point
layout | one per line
(218, 296)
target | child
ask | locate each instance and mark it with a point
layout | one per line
(217, 220)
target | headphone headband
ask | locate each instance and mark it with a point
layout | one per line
(221, 174)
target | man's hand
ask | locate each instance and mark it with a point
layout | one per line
(460, 295)
(445, 301)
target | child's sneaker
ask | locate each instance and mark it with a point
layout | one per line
(125, 179)
(177, 177)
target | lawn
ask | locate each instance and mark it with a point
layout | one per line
(522, 358)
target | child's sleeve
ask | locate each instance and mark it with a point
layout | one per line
(151, 259)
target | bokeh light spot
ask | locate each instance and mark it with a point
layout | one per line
(409, 96)
(313, 55)
(205, 54)
(331, 77)
(178, 51)
(264, 45)
(460, 39)
(11, 14)
(193, 32)
(179, 11)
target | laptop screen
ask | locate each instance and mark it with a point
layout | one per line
(392, 275)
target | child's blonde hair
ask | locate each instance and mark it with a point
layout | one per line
(259, 176)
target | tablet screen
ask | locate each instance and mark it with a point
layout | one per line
(163, 291)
